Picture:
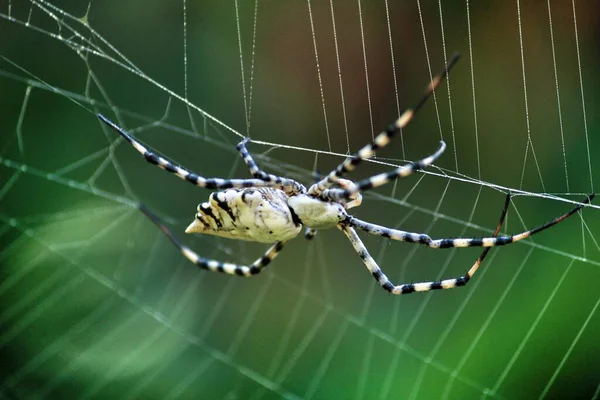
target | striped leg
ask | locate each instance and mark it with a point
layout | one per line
(383, 138)
(353, 191)
(411, 237)
(381, 179)
(274, 180)
(183, 173)
(408, 288)
(213, 265)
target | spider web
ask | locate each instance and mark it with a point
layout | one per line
(97, 303)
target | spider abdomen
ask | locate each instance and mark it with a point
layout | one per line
(253, 214)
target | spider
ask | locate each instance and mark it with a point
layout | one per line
(273, 209)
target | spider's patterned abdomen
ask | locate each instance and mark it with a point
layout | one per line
(253, 214)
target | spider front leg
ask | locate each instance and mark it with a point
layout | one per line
(258, 173)
(210, 183)
(405, 170)
(408, 288)
(383, 138)
(212, 265)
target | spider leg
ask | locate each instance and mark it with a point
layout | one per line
(382, 138)
(347, 186)
(483, 254)
(264, 176)
(381, 179)
(408, 288)
(210, 183)
(411, 237)
(213, 265)
(310, 233)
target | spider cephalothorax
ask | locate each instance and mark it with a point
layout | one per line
(273, 209)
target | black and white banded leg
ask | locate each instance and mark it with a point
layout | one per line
(164, 163)
(412, 237)
(408, 288)
(402, 171)
(383, 138)
(258, 173)
(213, 265)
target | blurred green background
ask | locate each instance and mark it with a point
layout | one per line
(96, 303)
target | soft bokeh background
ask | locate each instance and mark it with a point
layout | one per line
(96, 303)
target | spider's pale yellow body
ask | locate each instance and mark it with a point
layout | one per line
(264, 215)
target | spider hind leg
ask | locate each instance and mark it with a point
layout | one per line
(213, 265)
